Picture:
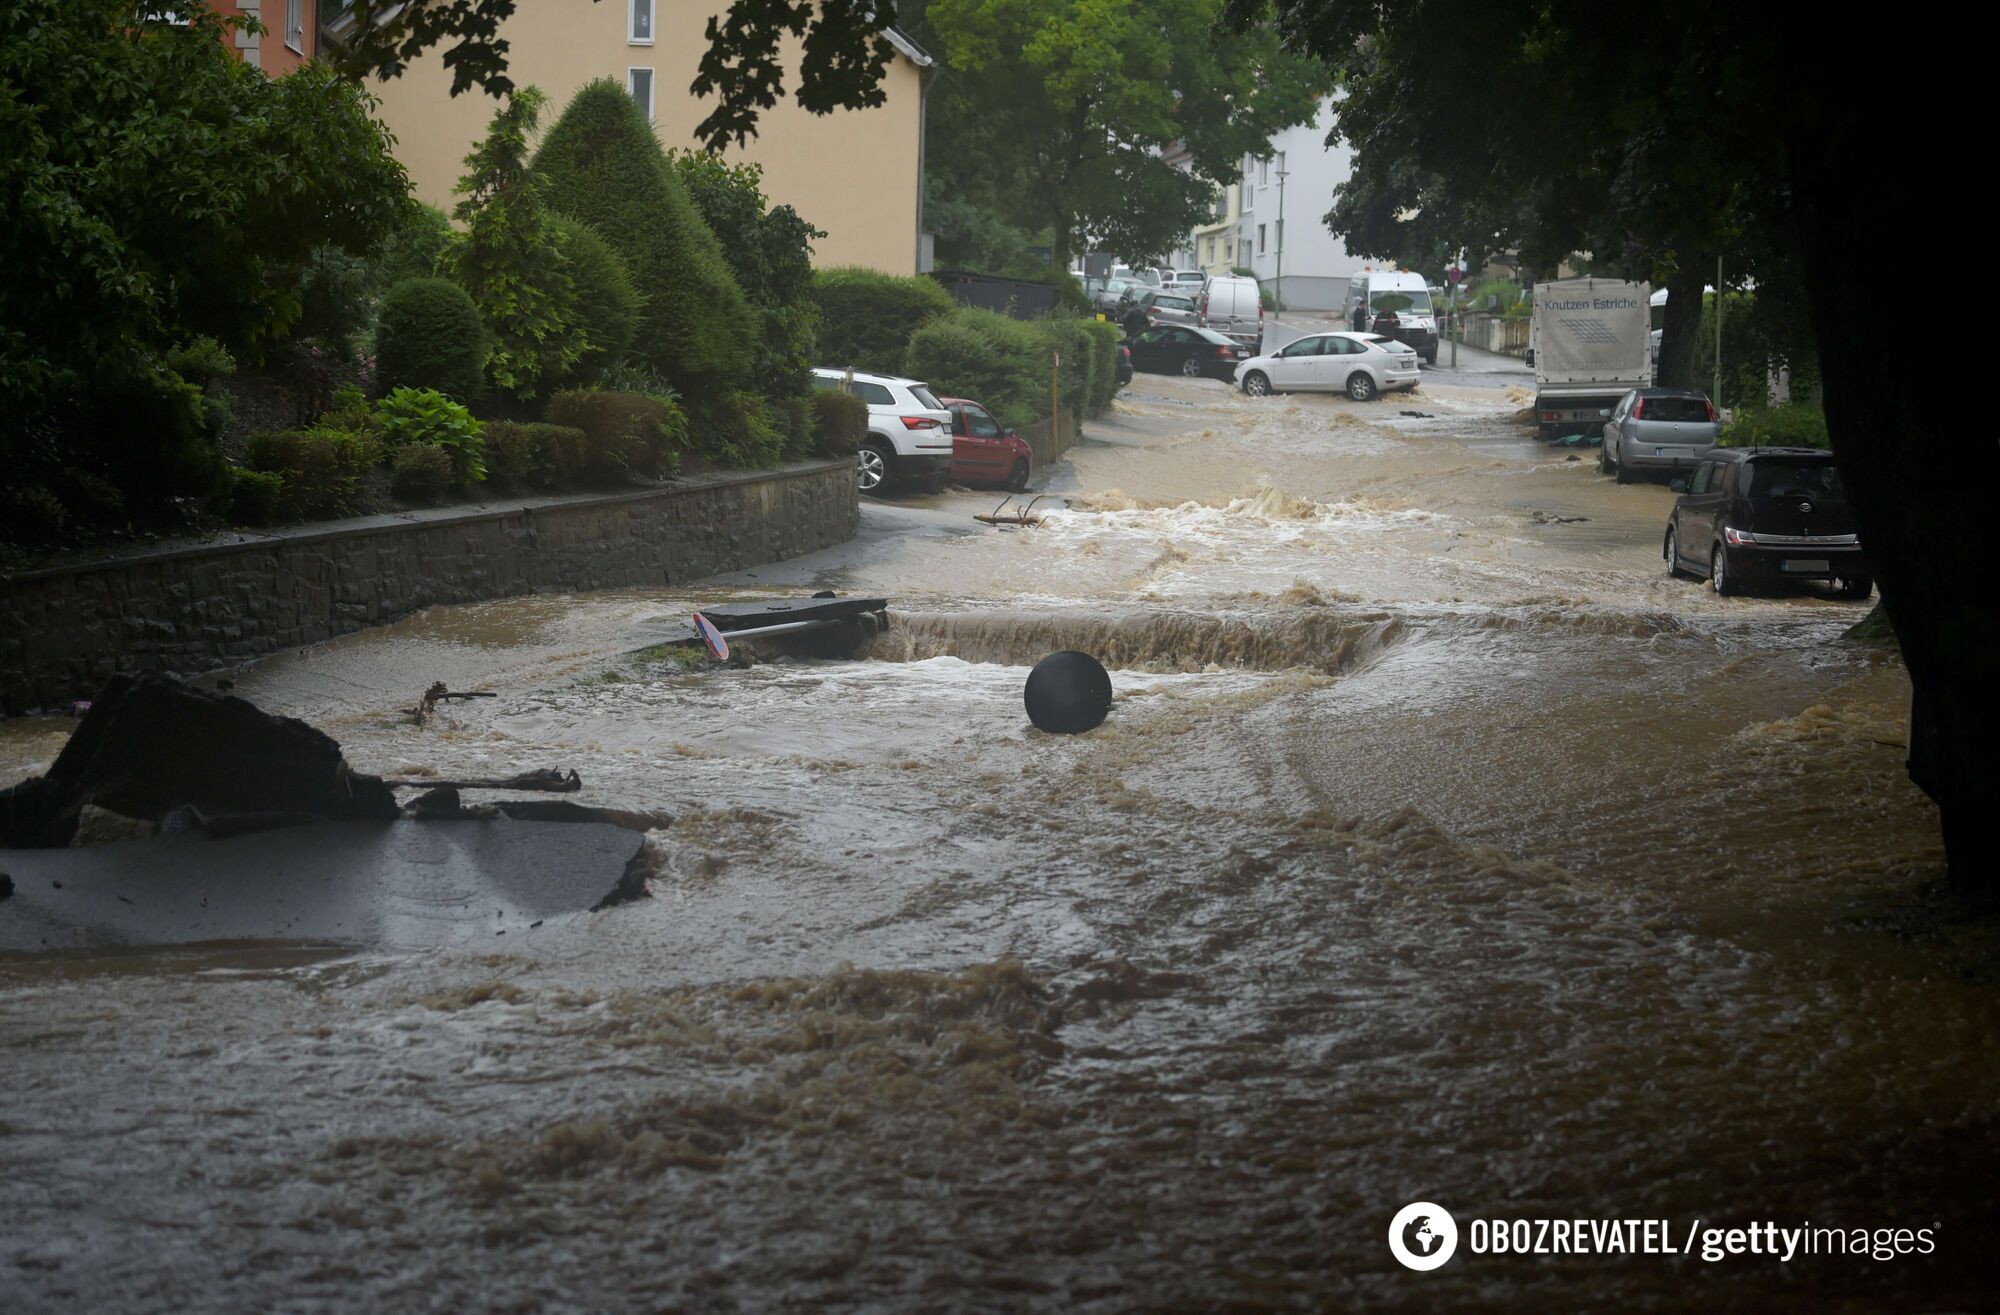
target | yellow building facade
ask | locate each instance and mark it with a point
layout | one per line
(858, 174)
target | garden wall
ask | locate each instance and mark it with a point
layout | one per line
(192, 608)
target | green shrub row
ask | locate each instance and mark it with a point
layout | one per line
(626, 435)
(867, 318)
(840, 420)
(1006, 364)
(1795, 424)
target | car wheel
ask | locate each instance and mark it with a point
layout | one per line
(1257, 384)
(1431, 356)
(1361, 386)
(1859, 586)
(935, 483)
(871, 469)
(1624, 472)
(1673, 554)
(1017, 479)
(1718, 572)
(1604, 461)
(1191, 368)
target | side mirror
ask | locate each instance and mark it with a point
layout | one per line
(1008, 433)
(1678, 485)
(1603, 413)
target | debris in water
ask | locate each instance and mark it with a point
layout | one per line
(542, 778)
(1543, 518)
(1418, 415)
(437, 692)
(1024, 516)
(1068, 692)
(6, 885)
(148, 745)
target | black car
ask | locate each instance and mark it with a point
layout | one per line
(1174, 349)
(1759, 515)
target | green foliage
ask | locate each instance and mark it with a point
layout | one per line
(410, 417)
(511, 262)
(423, 473)
(798, 422)
(335, 292)
(428, 335)
(416, 248)
(840, 420)
(1104, 339)
(1056, 112)
(741, 431)
(324, 471)
(1066, 336)
(534, 457)
(602, 164)
(770, 251)
(999, 362)
(627, 435)
(1796, 424)
(201, 362)
(254, 496)
(867, 317)
(607, 305)
(1760, 332)
(154, 189)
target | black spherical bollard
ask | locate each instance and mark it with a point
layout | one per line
(1068, 692)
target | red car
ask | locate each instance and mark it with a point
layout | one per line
(982, 452)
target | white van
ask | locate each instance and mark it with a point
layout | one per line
(1230, 305)
(1407, 296)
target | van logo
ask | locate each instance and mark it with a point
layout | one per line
(1805, 508)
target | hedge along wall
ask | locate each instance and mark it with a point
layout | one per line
(66, 630)
(1010, 366)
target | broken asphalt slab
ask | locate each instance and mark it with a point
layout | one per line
(389, 885)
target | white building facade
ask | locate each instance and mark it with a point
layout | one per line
(1281, 231)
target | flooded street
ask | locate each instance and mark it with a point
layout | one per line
(1438, 847)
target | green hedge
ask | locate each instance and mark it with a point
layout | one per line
(626, 435)
(602, 164)
(1066, 336)
(867, 318)
(607, 305)
(840, 421)
(1104, 340)
(1797, 424)
(324, 471)
(999, 362)
(428, 335)
(422, 473)
(541, 457)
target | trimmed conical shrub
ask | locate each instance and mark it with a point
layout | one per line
(603, 165)
(428, 335)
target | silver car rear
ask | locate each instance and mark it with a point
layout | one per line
(1660, 429)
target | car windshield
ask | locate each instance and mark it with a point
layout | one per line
(1803, 477)
(1401, 303)
(1676, 409)
(925, 398)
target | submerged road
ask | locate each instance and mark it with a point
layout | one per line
(1439, 847)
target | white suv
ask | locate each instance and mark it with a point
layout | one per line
(909, 431)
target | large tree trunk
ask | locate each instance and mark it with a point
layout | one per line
(1923, 491)
(1683, 323)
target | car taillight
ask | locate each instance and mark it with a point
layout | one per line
(1551, 415)
(919, 422)
(1639, 409)
(1125, 352)
(1711, 409)
(1225, 351)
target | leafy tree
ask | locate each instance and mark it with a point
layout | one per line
(153, 190)
(1659, 135)
(511, 258)
(607, 304)
(770, 252)
(602, 164)
(1077, 98)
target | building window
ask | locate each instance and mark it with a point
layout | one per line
(1211, 251)
(1281, 162)
(1261, 248)
(1263, 173)
(639, 81)
(640, 29)
(295, 25)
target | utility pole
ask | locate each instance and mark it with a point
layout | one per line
(1280, 295)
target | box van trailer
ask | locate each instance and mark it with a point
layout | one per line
(1399, 292)
(1590, 343)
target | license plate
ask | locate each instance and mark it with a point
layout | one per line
(1805, 564)
(1659, 452)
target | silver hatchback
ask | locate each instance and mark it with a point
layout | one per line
(1656, 429)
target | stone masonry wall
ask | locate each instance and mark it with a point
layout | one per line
(64, 630)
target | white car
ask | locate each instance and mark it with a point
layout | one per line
(909, 431)
(1358, 364)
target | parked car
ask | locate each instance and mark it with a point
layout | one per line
(1185, 350)
(1656, 429)
(1187, 282)
(1358, 364)
(909, 431)
(1230, 304)
(982, 452)
(1151, 308)
(1112, 295)
(1758, 515)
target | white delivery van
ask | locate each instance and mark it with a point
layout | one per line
(1229, 304)
(1398, 292)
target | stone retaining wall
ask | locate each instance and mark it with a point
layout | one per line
(195, 607)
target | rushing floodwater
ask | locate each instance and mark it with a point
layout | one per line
(1438, 847)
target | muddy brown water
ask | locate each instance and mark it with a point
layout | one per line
(1438, 847)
